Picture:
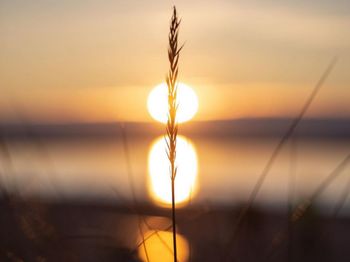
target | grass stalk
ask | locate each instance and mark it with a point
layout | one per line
(131, 183)
(172, 127)
(300, 210)
(290, 131)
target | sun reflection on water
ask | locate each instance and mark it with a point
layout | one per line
(159, 247)
(159, 174)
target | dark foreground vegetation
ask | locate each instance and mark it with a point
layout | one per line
(33, 230)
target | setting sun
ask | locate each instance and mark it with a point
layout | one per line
(157, 103)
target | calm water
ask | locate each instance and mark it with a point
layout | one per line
(214, 170)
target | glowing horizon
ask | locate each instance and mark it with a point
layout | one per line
(248, 60)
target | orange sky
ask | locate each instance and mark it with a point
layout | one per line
(97, 60)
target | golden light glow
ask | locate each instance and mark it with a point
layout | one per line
(157, 103)
(159, 247)
(159, 166)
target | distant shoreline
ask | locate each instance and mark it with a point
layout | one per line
(256, 127)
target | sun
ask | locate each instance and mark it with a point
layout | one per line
(157, 103)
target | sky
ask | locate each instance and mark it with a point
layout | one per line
(97, 60)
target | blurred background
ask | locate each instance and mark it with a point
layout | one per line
(263, 163)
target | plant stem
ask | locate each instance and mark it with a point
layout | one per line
(172, 127)
(173, 217)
